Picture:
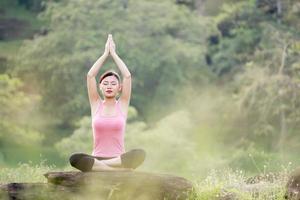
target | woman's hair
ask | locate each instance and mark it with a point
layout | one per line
(109, 73)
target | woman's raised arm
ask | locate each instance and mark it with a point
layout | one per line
(91, 76)
(126, 84)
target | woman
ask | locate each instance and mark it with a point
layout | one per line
(108, 119)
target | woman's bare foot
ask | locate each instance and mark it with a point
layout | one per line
(101, 166)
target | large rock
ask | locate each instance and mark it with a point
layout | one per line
(33, 191)
(112, 185)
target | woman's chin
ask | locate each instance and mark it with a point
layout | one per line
(110, 96)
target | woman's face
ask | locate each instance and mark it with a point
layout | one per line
(110, 86)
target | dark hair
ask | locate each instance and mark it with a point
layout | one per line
(109, 73)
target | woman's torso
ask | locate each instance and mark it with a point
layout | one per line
(108, 131)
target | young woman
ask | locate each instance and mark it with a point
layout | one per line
(108, 119)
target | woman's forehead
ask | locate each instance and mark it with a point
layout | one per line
(110, 78)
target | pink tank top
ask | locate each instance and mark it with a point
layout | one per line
(108, 132)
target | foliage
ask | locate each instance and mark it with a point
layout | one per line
(268, 89)
(25, 172)
(79, 141)
(226, 183)
(65, 56)
(173, 135)
(256, 53)
(236, 37)
(15, 105)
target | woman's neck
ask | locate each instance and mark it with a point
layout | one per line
(109, 101)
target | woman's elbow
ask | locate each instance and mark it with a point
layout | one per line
(90, 75)
(127, 76)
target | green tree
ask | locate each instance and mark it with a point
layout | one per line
(269, 89)
(16, 130)
(163, 50)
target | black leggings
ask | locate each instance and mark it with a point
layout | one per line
(130, 159)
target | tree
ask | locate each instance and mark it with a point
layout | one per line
(163, 50)
(269, 89)
(15, 130)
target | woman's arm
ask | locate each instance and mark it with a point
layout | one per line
(91, 76)
(126, 88)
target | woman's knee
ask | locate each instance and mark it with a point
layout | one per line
(139, 153)
(133, 158)
(81, 161)
(75, 157)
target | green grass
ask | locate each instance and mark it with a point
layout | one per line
(25, 172)
(228, 183)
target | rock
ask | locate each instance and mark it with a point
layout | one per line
(24, 191)
(125, 184)
(109, 185)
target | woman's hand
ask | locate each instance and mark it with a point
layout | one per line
(112, 45)
(106, 50)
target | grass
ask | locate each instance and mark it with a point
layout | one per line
(228, 183)
(25, 172)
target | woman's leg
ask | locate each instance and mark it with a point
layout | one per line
(82, 161)
(133, 158)
(85, 163)
(129, 160)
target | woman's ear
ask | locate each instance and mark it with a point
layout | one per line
(100, 87)
(120, 87)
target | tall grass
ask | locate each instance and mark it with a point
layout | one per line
(26, 172)
(229, 184)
